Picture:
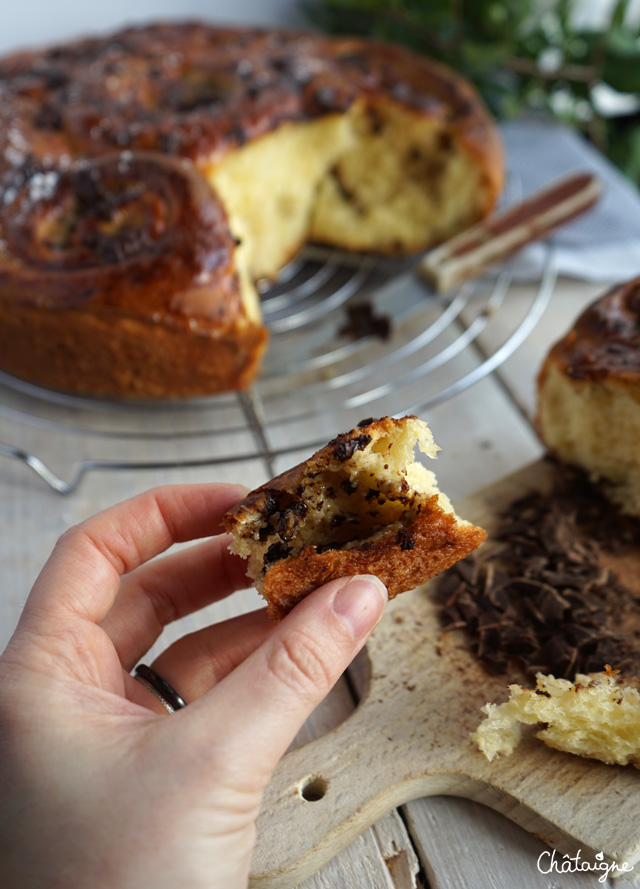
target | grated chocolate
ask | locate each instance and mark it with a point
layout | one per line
(542, 599)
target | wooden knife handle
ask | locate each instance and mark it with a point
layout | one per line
(501, 234)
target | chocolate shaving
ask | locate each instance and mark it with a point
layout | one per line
(541, 599)
(363, 322)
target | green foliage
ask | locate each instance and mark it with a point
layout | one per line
(520, 54)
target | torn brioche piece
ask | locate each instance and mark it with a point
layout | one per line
(597, 717)
(359, 505)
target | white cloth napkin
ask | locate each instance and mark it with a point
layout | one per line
(602, 245)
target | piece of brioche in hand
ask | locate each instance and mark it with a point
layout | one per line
(595, 716)
(360, 505)
(589, 395)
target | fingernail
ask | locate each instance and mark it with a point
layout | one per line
(360, 603)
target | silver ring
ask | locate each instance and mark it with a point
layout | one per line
(160, 688)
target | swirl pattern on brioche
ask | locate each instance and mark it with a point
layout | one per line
(135, 238)
(99, 230)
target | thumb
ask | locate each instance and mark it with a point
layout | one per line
(267, 698)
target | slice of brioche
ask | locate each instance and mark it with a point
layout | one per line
(589, 395)
(360, 505)
(596, 717)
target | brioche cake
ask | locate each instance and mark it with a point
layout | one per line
(150, 177)
(589, 395)
(597, 717)
(359, 505)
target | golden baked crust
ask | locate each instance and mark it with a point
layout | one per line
(359, 505)
(299, 137)
(589, 394)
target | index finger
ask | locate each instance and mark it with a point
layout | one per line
(82, 575)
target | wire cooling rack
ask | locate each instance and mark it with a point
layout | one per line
(319, 378)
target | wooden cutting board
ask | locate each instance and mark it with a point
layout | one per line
(410, 737)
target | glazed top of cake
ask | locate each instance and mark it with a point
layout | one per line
(198, 91)
(106, 144)
(605, 340)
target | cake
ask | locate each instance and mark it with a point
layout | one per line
(597, 717)
(359, 505)
(150, 177)
(111, 287)
(589, 395)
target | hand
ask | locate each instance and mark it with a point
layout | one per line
(100, 786)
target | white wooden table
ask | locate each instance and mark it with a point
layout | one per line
(485, 433)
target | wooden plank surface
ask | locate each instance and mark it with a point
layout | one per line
(504, 855)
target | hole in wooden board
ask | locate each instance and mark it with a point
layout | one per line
(313, 788)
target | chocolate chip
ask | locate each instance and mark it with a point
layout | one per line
(406, 539)
(276, 552)
(345, 449)
(290, 517)
(271, 504)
